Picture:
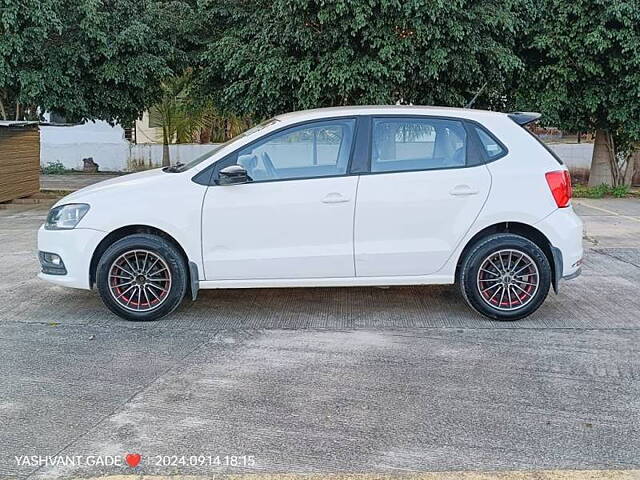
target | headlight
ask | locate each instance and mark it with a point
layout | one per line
(66, 217)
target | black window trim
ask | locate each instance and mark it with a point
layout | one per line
(209, 178)
(473, 142)
(487, 159)
(359, 162)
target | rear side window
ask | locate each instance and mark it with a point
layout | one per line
(407, 144)
(490, 145)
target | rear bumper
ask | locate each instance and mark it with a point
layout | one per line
(75, 248)
(564, 230)
(573, 275)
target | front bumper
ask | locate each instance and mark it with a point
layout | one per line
(75, 247)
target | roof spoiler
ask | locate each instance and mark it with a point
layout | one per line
(523, 118)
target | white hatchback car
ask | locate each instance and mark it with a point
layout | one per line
(352, 196)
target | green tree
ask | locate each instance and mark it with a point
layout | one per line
(269, 56)
(583, 73)
(89, 59)
(185, 116)
(172, 111)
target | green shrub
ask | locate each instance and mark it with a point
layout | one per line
(620, 191)
(54, 168)
(600, 191)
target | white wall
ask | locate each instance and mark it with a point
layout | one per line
(577, 158)
(574, 155)
(108, 148)
(149, 155)
(98, 140)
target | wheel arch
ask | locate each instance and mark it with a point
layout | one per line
(554, 256)
(123, 232)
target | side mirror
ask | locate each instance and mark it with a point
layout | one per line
(233, 175)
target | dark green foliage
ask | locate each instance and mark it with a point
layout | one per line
(583, 66)
(54, 168)
(269, 56)
(89, 58)
(601, 191)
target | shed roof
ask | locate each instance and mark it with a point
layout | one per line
(18, 123)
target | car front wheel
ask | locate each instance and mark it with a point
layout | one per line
(142, 277)
(505, 277)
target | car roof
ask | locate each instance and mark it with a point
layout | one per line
(328, 112)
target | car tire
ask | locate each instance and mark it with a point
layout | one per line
(505, 277)
(142, 277)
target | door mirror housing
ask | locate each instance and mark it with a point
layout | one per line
(233, 175)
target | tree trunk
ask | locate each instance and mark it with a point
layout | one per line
(601, 160)
(166, 160)
(633, 167)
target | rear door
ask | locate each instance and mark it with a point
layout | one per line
(425, 188)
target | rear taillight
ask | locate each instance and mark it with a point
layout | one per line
(560, 186)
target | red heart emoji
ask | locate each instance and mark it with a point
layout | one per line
(133, 459)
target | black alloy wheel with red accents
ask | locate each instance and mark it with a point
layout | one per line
(505, 276)
(142, 277)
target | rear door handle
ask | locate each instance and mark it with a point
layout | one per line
(335, 198)
(462, 190)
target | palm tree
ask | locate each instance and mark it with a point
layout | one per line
(183, 120)
(180, 121)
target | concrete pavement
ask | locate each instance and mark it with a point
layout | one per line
(327, 381)
(512, 475)
(73, 181)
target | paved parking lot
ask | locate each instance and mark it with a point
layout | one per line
(327, 380)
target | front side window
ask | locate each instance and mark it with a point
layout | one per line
(318, 149)
(406, 144)
(198, 160)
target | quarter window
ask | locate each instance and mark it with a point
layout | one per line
(320, 149)
(490, 145)
(405, 144)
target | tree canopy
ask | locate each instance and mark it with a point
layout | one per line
(576, 61)
(582, 62)
(269, 56)
(583, 65)
(89, 59)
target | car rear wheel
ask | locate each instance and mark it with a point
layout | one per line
(505, 277)
(142, 277)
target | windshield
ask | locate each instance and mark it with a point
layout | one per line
(186, 166)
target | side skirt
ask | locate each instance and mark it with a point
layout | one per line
(329, 282)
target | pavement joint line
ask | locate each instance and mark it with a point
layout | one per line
(603, 252)
(508, 326)
(610, 212)
(174, 365)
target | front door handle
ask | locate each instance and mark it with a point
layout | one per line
(335, 198)
(462, 190)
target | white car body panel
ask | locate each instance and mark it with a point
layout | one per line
(389, 231)
(76, 247)
(396, 214)
(275, 230)
(168, 202)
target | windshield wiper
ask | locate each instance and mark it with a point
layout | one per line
(174, 168)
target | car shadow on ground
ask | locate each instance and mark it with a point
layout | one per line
(605, 296)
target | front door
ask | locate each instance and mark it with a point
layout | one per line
(294, 219)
